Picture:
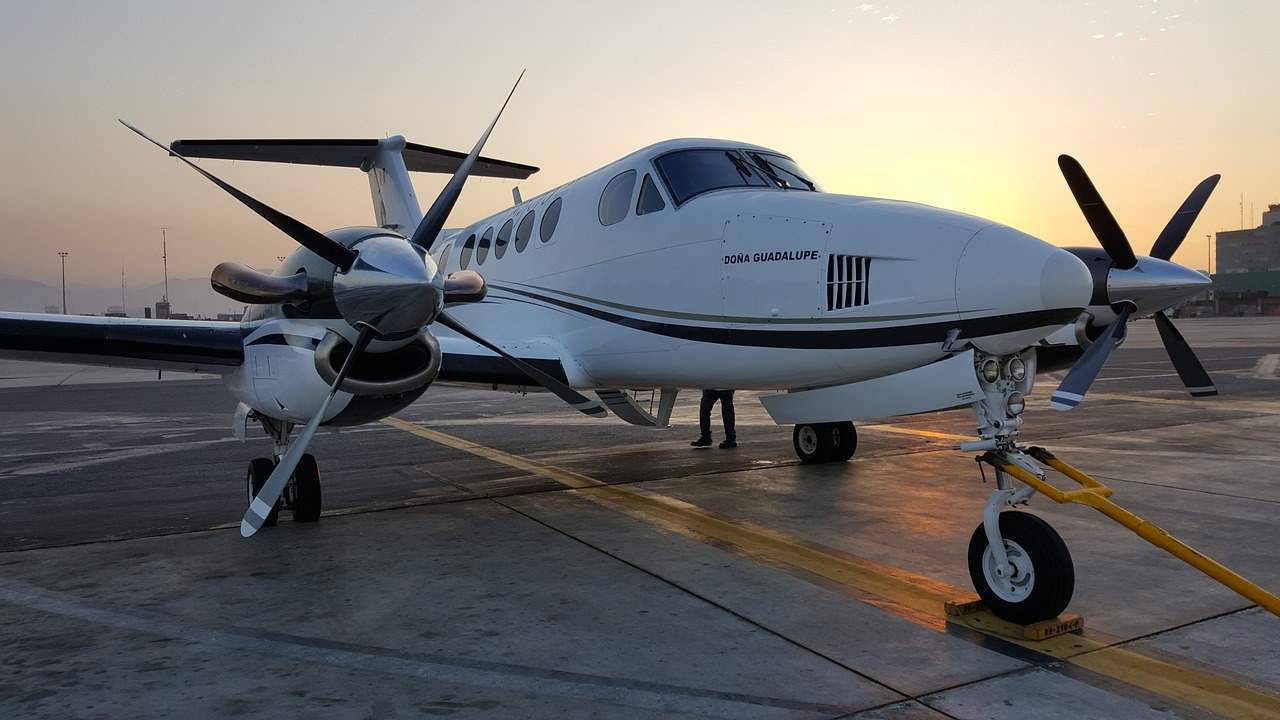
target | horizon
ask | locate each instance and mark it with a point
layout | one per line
(1151, 97)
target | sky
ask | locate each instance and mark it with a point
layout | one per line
(962, 105)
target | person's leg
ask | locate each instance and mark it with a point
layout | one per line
(704, 417)
(729, 417)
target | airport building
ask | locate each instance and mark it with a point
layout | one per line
(1252, 250)
(1248, 277)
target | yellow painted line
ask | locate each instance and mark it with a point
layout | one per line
(916, 597)
(908, 430)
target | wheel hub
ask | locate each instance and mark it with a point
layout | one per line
(808, 440)
(1014, 582)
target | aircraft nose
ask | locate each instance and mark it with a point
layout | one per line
(1004, 271)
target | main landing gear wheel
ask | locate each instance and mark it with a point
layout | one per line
(259, 470)
(825, 442)
(1043, 577)
(306, 490)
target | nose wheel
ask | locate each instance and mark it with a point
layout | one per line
(825, 442)
(1037, 579)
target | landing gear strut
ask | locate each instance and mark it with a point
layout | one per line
(302, 494)
(825, 442)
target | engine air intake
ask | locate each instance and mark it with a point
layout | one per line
(848, 281)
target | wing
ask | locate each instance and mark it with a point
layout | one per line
(181, 345)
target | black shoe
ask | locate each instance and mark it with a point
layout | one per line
(727, 444)
(701, 442)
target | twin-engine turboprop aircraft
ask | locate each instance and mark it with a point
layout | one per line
(688, 264)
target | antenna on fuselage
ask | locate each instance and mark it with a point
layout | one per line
(515, 195)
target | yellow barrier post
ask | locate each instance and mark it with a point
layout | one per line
(1095, 495)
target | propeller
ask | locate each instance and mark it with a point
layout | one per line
(383, 287)
(1135, 285)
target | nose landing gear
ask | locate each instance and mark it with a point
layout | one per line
(1019, 565)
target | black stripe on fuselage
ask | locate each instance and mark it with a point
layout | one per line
(494, 370)
(894, 336)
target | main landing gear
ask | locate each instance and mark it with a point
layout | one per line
(825, 442)
(302, 495)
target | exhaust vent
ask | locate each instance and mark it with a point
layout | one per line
(848, 281)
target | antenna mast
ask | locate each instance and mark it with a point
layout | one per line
(164, 257)
(124, 309)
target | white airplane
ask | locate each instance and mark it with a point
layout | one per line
(691, 263)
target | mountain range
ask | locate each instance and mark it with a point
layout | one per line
(193, 296)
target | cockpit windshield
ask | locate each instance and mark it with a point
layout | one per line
(688, 173)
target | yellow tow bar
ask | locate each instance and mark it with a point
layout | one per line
(1095, 495)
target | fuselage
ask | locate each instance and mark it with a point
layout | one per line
(752, 286)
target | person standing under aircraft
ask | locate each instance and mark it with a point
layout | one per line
(709, 398)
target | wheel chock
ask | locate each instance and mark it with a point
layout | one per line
(1096, 495)
(972, 613)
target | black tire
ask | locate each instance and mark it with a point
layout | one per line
(259, 470)
(809, 444)
(1052, 577)
(306, 490)
(844, 441)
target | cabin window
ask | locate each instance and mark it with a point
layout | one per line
(482, 251)
(616, 198)
(444, 257)
(549, 220)
(650, 200)
(524, 231)
(464, 259)
(503, 239)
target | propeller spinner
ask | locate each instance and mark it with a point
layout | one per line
(1133, 285)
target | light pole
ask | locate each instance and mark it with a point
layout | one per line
(64, 255)
(1209, 247)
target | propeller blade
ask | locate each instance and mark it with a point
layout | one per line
(1103, 223)
(431, 224)
(311, 239)
(575, 399)
(1193, 374)
(1176, 231)
(1071, 392)
(261, 506)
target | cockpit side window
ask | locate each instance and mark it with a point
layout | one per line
(689, 173)
(650, 200)
(616, 198)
